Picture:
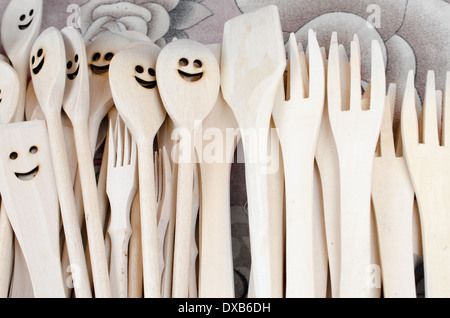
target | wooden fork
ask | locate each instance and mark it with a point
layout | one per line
(298, 118)
(121, 189)
(427, 154)
(356, 134)
(393, 200)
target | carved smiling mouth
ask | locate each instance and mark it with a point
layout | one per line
(145, 84)
(99, 70)
(38, 68)
(190, 77)
(29, 175)
(74, 74)
(25, 26)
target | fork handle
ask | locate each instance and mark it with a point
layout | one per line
(120, 239)
(356, 245)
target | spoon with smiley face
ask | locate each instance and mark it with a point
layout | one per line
(20, 27)
(76, 106)
(31, 201)
(99, 54)
(135, 93)
(48, 70)
(189, 82)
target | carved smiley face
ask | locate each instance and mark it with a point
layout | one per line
(150, 81)
(73, 68)
(37, 61)
(99, 63)
(26, 20)
(190, 71)
(25, 175)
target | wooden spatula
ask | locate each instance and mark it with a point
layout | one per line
(191, 70)
(253, 63)
(48, 68)
(135, 93)
(21, 25)
(30, 197)
(10, 92)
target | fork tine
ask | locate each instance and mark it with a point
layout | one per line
(334, 76)
(409, 123)
(295, 83)
(316, 68)
(119, 142)
(430, 133)
(446, 114)
(127, 145)
(387, 135)
(345, 77)
(355, 77)
(378, 80)
(111, 146)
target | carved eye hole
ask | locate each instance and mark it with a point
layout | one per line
(139, 69)
(96, 57)
(22, 17)
(76, 58)
(152, 72)
(13, 156)
(69, 65)
(34, 150)
(40, 52)
(198, 64)
(31, 12)
(184, 62)
(109, 56)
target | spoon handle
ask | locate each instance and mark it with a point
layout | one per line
(68, 206)
(183, 229)
(149, 226)
(94, 225)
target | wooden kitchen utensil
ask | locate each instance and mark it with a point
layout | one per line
(122, 185)
(9, 98)
(192, 71)
(21, 25)
(30, 197)
(253, 63)
(135, 93)
(76, 106)
(48, 68)
(356, 133)
(298, 118)
(216, 275)
(393, 201)
(428, 157)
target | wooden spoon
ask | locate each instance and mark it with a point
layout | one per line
(192, 71)
(48, 68)
(216, 273)
(76, 106)
(20, 27)
(135, 93)
(10, 92)
(253, 63)
(31, 201)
